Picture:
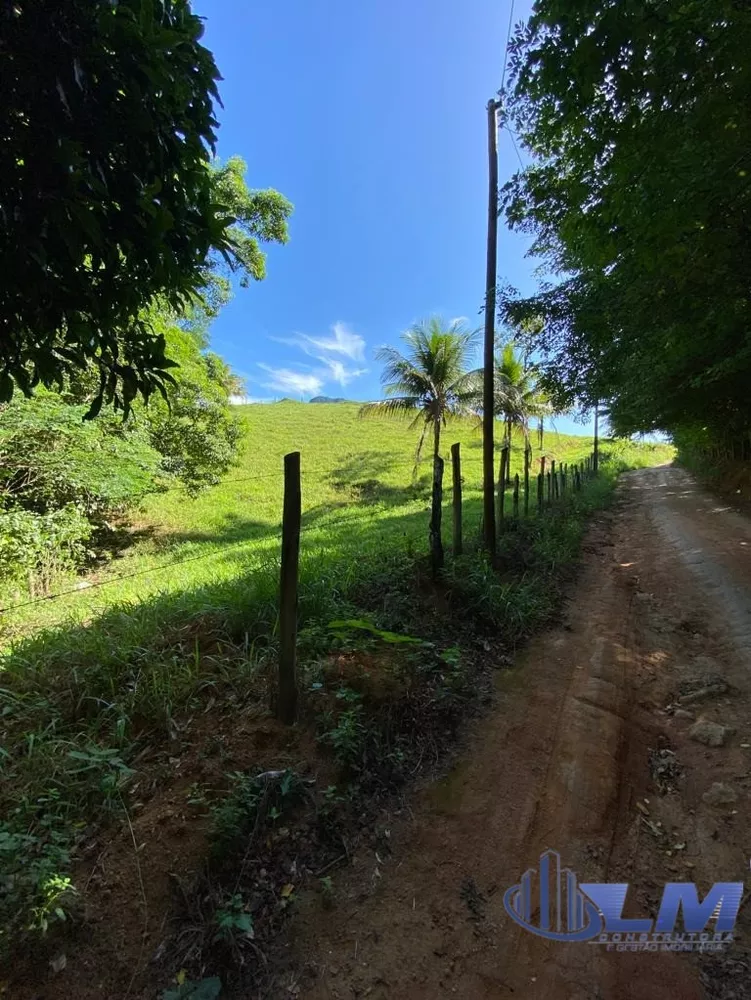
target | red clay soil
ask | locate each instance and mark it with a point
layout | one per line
(583, 753)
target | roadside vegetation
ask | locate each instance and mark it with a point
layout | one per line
(152, 809)
(99, 686)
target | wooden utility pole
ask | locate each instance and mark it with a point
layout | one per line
(287, 698)
(488, 393)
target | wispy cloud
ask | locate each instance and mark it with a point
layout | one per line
(332, 354)
(286, 380)
(340, 373)
(241, 399)
(342, 341)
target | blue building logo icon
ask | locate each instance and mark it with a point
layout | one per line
(560, 911)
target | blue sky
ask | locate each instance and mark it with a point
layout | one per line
(370, 117)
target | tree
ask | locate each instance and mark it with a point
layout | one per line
(106, 193)
(639, 201)
(518, 397)
(430, 382)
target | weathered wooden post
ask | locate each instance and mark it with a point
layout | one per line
(287, 695)
(456, 469)
(540, 491)
(554, 480)
(527, 460)
(516, 496)
(502, 477)
(550, 488)
(436, 510)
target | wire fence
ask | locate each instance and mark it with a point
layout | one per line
(550, 486)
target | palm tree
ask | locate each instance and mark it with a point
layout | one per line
(518, 397)
(430, 381)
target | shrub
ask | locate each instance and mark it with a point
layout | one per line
(50, 458)
(36, 549)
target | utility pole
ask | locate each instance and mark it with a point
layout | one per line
(488, 395)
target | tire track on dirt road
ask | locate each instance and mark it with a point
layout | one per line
(561, 762)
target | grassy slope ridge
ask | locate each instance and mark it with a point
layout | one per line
(351, 468)
(93, 679)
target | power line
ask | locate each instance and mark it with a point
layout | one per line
(508, 39)
(516, 148)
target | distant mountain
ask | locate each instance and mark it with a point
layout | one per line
(329, 399)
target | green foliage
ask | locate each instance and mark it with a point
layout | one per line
(63, 481)
(49, 783)
(194, 430)
(345, 626)
(50, 457)
(115, 101)
(639, 200)
(431, 382)
(231, 920)
(518, 396)
(250, 802)
(36, 550)
(345, 731)
(259, 217)
(35, 892)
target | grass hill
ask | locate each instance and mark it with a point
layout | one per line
(353, 468)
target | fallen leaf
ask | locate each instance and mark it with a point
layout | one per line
(181, 977)
(287, 890)
(59, 963)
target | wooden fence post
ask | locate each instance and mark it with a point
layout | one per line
(503, 475)
(527, 459)
(550, 488)
(287, 695)
(436, 510)
(456, 468)
(542, 465)
(553, 480)
(516, 496)
(540, 491)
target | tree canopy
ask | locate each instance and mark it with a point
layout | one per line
(637, 114)
(107, 199)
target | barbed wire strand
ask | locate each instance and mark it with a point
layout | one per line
(276, 535)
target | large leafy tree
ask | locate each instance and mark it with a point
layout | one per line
(106, 197)
(637, 116)
(431, 383)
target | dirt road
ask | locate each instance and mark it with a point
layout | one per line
(587, 751)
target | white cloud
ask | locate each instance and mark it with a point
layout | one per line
(286, 380)
(342, 341)
(339, 371)
(330, 352)
(244, 400)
